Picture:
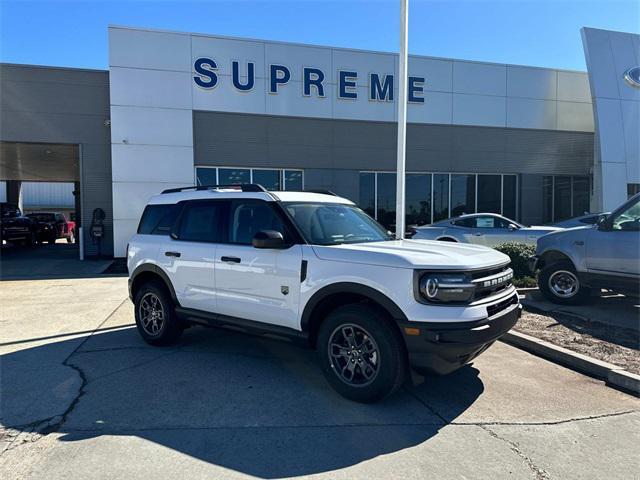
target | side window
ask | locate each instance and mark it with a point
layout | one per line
(202, 222)
(629, 219)
(246, 218)
(486, 222)
(466, 222)
(158, 219)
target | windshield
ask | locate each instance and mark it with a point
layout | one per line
(335, 224)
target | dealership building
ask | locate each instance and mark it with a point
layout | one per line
(535, 144)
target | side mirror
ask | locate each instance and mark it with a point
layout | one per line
(512, 227)
(269, 239)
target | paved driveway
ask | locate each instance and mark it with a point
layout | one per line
(226, 405)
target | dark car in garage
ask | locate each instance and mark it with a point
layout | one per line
(51, 226)
(15, 227)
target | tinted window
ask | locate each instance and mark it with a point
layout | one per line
(418, 199)
(293, 180)
(387, 199)
(158, 219)
(489, 194)
(466, 222)
(269, 179)
(368, 193)
(463, 194)
(202, 222)
(562, 198)
(206, 176)
(233, 176)
(248, 218)
(440, 197)
(509, 196)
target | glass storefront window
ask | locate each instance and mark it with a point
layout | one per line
(547, 199)
(581, 193)
(206, 176)
(386, 214)
(440, 197)
(232, 176)
(489, 194)
(463, 194)
(293, 180)
(269, 179)
(561, 198)
(509, 199)
(418, 198)
(367, 200)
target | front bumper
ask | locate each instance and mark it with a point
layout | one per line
(442, 348)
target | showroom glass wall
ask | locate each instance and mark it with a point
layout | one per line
(564, 196)
(431, 197)
(271, 179)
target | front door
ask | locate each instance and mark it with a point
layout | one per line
(614, 246)
(257, 284)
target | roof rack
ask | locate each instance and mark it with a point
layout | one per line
(244, 187)
(324, 192)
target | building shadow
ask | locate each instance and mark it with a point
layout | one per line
(256, 406)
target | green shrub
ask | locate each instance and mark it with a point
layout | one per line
(519, 254)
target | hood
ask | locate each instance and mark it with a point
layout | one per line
(427, 254)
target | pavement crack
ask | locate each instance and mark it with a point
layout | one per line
(550, 423)
(425, 404)
(539, 473)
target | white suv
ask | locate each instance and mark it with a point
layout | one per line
(313, 267)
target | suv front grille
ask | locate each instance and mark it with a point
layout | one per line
(491, 281)
(503, 305)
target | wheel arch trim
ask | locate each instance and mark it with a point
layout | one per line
(353, 288)
(156, 270)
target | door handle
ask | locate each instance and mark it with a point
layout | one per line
(172, 254)
(230, 259)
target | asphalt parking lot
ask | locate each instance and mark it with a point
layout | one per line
(83, 397)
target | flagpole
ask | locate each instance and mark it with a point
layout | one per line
(402, 120)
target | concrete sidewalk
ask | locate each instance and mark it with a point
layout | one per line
(226, 405)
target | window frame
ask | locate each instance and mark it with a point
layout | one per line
(281, 173)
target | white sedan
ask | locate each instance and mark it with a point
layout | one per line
(487, 229)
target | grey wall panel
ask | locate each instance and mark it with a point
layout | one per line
(58, 105)
(359, 145)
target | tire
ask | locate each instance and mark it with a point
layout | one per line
(560, 283)
(386, 366)
(166, 329)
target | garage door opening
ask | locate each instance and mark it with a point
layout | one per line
(41, 202)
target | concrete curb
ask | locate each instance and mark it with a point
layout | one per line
(613, 375)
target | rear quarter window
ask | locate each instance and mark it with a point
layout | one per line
(158, 219)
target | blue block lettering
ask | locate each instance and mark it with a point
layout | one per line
(416, 85)
(312, 76)
(278, 75)
(347, 80)
(250, 76)
(381, 92)
(206, 78)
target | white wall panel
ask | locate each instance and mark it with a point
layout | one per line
(290, 101)
(624, 57)
(295, 57)
(602, 69)
(479, 78)
(610, 129)
(225, 50)
(573, 87)
(437, 108)
(575, 116)
(529, 82)
(151, 126)
(362, 62)
(614, 192)
(123, 230)
(152, 163)
(150, 88)
(149, 49)
(438, 73)
(479, 110)
(364, 108)
(224, 97)
(631, 128)
(531, 113)
(130, 198)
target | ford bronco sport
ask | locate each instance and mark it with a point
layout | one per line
(314, 268)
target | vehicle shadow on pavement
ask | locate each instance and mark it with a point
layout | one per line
(253, 405)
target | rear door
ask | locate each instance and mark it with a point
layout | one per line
(262, 285)
(188, 256)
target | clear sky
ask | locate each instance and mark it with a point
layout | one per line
(542, 32)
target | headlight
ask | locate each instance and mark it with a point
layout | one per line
(446, 287)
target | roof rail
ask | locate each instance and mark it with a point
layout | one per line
(324, 192)
(244, 187)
